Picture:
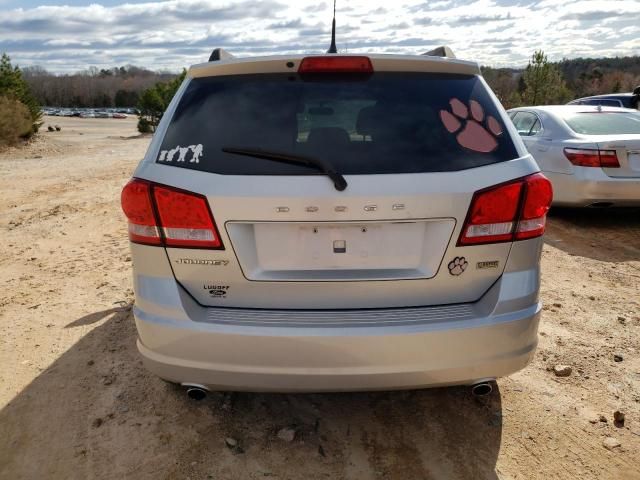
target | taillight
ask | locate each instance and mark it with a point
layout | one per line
(537, 200)
(185, 219)
(492, 215)
(161, 215)
(350, 64)
(508, 212)
(587, 157)
(137, 206)
(609, 159)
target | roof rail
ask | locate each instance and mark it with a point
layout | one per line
(219, 54)
(442, 51)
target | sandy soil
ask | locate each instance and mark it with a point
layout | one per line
(76, 403)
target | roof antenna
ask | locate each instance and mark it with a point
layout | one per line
(332, 48)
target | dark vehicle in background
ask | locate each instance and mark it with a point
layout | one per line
(625, 100)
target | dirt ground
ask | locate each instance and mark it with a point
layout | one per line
(75, 401)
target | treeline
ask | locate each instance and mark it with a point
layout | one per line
(564, 80)
(589, 76)
(123, 86)
(97, 88)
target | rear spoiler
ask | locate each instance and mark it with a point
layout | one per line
(442, 51)
(219, 54)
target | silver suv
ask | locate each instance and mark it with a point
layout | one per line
(334, 222)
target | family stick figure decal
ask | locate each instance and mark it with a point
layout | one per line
(169, 156)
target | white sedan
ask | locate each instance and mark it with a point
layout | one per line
(591, 154)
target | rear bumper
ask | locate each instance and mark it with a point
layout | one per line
(403, 358)
(589, 186)
(289, 351)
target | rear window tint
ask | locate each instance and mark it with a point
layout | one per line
(609, 103)
(604, 123)
(382, 123)
(623, 101)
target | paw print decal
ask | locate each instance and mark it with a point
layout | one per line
(473, 131)
(457, 265)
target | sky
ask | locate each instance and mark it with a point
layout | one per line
(70, 35)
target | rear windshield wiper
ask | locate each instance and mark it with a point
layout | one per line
(325, 167)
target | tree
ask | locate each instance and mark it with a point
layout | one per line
(126, 98)
(13, 86)
(34, 71)
(543, 82)
(155, 100)
(503, 82)
(15, 121)
(151, 107)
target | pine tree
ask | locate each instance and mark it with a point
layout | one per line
(543, 82)
(14, 86)
(155, 100)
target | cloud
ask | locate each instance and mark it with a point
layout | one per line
(394, 26)
(595, 15)
(423, 21)
(431, 6)
(474, 19)
(170, 34)
(296, 23)
(319, 7)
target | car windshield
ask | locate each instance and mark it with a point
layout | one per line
(380, 123)
(603, 123)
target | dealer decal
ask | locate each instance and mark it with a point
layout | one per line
(217, 291)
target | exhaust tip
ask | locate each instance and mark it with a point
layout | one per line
(196, 392)
(481, 389)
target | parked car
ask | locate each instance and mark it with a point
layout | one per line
(336, 222)
(119, 115)
(590, 154)
(626, 100)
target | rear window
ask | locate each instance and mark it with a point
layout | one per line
(603, 102)
(381, 123)
(604, 123)
(623, 101)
